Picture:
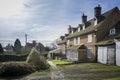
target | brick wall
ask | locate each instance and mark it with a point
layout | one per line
(63, 48)
(84, 40)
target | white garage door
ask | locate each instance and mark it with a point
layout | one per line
(102, 55)
(99, 54)
(118, 53)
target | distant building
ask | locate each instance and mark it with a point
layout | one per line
(8, 49)
(39, 46)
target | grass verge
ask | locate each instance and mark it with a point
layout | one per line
(113, 79)
(92, 71)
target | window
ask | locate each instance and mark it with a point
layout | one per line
(72, 31)
(112, 31)
(78, 29)
(78, 40)
(89, 53)
(90, 38)
(95, 22)
(83, 27)
(68, 42)
(75, 41)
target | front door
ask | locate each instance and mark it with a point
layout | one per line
(89, 53)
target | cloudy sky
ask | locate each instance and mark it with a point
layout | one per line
(45, 20)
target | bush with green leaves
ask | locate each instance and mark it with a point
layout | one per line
(36, 60)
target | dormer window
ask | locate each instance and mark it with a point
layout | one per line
(83, 27)
(68, 42)
(75, 41)
(72, 32)
(95, 22)
(78, 29)
(112, 31)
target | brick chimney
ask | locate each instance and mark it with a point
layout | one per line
(84, 18)
(97, 11)
(69, 29)
(62, 37)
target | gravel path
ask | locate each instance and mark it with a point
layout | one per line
(56, 74)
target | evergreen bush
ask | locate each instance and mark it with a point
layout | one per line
(1, 49)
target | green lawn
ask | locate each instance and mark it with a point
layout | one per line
(113, 79)
(91, 71)
(60, 62)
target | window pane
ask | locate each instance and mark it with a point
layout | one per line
(89, 53)
(90, 38)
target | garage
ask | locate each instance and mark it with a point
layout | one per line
(102, 55)
(106, 54)
(118, 53)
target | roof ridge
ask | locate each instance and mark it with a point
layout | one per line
(110, 10)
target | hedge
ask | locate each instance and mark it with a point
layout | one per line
(15, 69)
(12, 57)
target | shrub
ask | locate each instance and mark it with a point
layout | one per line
(36, 60)
(15, 69)
(1, 49)
(17, 46)
(25, 50)
(12, 57)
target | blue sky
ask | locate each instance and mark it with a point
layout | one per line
(45, 20)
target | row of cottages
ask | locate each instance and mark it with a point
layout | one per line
(92, 39)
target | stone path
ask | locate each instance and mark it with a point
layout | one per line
(56, 74)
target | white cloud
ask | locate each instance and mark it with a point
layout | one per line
(10, 7)
(43, 19)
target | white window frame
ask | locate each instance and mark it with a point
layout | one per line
(90, 38)
(112, 31)
(72, 32)
(78, 29)
(78, 40)
(95, 22)
(68, 42)
(83, 27)
(75, 41)
(89, 53)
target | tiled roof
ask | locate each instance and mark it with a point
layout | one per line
(109, 40)
(73, 47)
(76, 47)
(55, 51)
(91, 28)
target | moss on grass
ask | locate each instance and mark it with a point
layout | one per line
(60, 62)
